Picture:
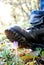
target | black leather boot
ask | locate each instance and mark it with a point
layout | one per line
(24, 38)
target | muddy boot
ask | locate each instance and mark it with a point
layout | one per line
(23, 37)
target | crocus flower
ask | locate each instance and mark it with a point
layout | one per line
(15, 43)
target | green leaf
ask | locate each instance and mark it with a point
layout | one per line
(42, 53)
